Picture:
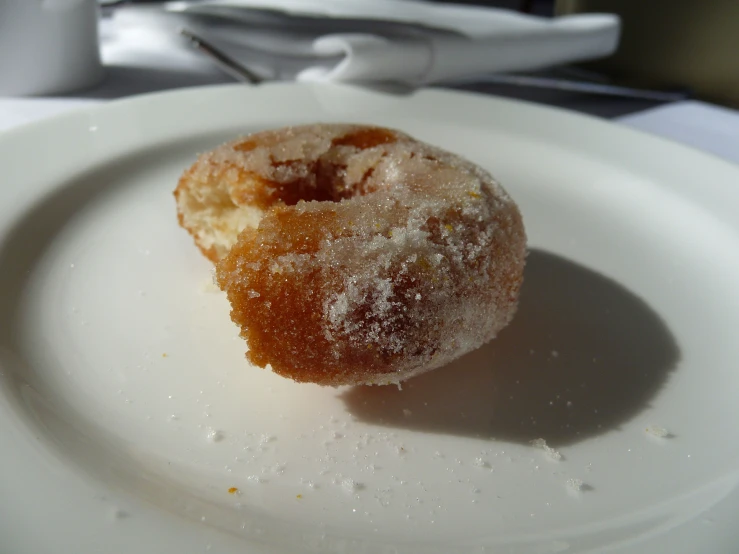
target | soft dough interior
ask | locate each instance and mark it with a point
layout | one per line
(214, 219)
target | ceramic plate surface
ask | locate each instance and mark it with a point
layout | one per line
(131, 422)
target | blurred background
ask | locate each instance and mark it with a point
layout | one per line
(672, 45)
(665, 44)
(665, 51)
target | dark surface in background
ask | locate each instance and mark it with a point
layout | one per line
(608, 107)
(598, 105)
(671, 44)
(537, 7)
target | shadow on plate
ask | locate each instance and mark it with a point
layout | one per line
(582, 356)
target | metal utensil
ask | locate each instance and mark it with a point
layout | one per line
(222, 60)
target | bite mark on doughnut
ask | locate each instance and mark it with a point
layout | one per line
(207, 210)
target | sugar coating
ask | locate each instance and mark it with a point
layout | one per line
(376, 257)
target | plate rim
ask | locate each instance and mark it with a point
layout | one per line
(79, 119)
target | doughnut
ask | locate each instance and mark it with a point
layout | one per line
(354, 254)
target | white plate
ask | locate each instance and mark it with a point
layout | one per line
(120, 365)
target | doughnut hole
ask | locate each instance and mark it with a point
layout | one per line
(219, 197)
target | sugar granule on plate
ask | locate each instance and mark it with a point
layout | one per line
(657, 431)
(480, 462)
(214, 435)
(350, 485)
(575, 485)
(550, 452)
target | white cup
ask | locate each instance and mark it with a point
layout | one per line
(48, 46)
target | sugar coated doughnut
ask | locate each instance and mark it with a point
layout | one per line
(355, 254)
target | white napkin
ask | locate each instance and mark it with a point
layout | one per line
(406, 41)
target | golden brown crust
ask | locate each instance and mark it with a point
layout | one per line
(376, 257)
